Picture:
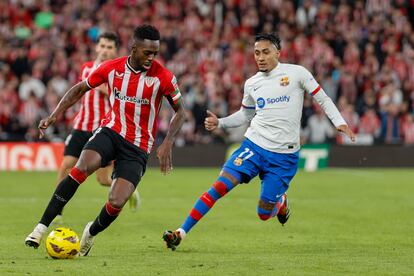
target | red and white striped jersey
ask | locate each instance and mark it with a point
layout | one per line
(135, 98)
(94, 104)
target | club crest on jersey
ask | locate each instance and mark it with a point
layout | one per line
(149, 81)
(238, 161)
(284, 81)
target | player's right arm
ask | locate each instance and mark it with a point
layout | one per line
(74, 94)
(239, 118)
(70, 98)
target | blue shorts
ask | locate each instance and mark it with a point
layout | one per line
(276, 170)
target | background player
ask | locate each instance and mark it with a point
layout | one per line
(137, 85)
(272, 103)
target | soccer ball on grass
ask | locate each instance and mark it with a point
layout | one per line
(63, 243)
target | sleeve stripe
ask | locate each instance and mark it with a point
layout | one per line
(248, 107)
(316, 90)
(87, 83)
(176, 97)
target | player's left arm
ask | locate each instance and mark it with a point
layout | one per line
(164, 151)
(315, 90)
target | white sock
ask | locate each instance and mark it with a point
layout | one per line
(182, 232)
(41, 228)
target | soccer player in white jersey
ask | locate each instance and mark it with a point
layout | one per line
(272, 103)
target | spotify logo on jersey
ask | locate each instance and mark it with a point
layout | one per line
(261, 102)
(271, 101)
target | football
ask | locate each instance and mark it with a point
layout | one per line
(63, 243)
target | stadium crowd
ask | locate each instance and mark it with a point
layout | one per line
(361, 52)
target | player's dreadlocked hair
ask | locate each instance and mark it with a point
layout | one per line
(110, 36)
(146, 32)
(274, 38)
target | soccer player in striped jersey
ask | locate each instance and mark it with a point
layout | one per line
(94, 106)
(272, 103)
(137, 84)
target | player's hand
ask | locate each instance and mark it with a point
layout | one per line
(345, 129)
(44, 124)
(164, 156)
(211, 121)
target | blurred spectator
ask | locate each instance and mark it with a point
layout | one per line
(351, 117)
(390, 124)
(370, 123)
(319, 127)
(305, 14)
(408, 130)
(187, 133)
(31, 86)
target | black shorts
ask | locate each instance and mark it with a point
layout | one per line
(75, 141)
(130, 161)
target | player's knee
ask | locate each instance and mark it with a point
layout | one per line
(89, 161)
(117, 201)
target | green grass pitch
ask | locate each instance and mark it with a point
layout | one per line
(348, 222)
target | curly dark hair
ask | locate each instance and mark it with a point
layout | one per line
(146, 32)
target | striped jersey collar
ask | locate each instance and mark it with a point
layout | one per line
(130, 67)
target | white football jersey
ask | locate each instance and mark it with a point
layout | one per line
(277, 97)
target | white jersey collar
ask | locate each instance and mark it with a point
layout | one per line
(273, 71)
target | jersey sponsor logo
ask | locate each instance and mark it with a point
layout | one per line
(284, 81)
(128, 98)
(281, 99)
(261, 102)
(149, 81)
